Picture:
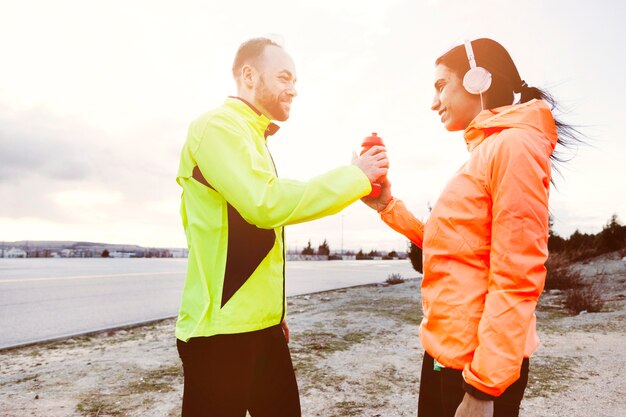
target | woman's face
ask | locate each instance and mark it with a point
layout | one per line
(456, 107)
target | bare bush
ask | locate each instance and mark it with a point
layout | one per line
(394, 279)
(586, 298)
(560, 276)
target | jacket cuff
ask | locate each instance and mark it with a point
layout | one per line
(476, 393)
(389, 207)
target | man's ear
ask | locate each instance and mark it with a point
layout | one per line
(248, 75)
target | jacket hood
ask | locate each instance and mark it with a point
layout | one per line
(533, 115)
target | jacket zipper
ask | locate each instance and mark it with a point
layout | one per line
(282, 234)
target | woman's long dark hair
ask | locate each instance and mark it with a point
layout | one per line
(505, 82)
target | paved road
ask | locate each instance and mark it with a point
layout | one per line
(43, 299)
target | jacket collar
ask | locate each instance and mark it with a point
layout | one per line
(533, 115)
(254, 115)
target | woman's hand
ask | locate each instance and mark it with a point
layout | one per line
(473, 407)
(383, 199)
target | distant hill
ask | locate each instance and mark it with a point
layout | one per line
(62, 248)
(64, 244)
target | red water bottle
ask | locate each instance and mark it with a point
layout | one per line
(368, 142)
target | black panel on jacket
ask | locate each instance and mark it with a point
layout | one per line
(248, 245)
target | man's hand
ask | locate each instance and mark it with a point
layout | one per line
(373, 163)
(383, 199)
(473, 407)
(285, 327)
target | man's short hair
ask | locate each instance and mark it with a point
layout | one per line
(249, 51)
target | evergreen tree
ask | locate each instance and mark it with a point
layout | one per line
(612, 237)
(308, 250)
(323, 249)
(555, 242)
(415, 255)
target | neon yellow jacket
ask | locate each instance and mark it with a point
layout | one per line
(233, 210)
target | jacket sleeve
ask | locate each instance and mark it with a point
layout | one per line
(237, 168)
(400, 219)
(518, 182)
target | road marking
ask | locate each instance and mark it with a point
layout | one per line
(132, 274)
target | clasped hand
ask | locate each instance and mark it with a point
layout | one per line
(375, 164)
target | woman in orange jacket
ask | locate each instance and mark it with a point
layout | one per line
(486, 240)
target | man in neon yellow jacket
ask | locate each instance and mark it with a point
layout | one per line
(231, 330)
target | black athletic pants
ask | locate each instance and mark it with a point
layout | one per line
(441, 392)
(227, 375)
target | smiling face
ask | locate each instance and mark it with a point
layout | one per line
(274, 87)
(455, 106)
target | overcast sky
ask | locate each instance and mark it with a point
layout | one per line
(96, 97)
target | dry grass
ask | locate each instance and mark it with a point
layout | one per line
(394, 279)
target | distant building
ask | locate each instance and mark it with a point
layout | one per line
(119, 254)
(179, 253)
(15, 253)
(300, 257)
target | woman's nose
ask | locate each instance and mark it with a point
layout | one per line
(435, 104)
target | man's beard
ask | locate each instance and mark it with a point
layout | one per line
(271, 103)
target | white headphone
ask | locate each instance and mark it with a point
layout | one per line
(477, 80)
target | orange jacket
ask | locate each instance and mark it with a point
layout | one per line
(485, 245)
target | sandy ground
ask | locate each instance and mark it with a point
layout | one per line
(355, 350)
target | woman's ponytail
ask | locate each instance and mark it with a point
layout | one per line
(528, 93)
